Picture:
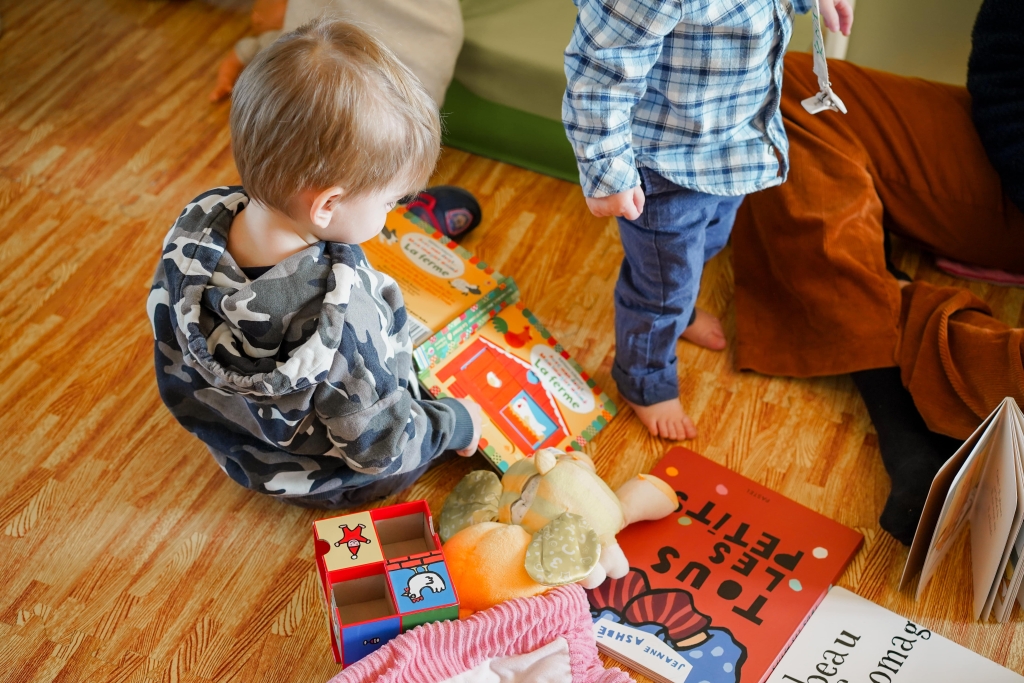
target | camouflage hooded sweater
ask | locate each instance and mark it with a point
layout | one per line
(300, 382)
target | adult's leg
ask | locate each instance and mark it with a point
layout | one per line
(930, 169)
(940, 190)
(956, 359)
(911, 453)
(813, 296)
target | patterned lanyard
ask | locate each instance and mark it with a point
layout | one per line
(825, 99)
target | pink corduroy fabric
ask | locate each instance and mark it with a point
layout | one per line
(437, 651)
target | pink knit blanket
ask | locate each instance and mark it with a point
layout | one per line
(532, 629)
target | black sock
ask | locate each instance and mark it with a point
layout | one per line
(889, 265)
(911, 453)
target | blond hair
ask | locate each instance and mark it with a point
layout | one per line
(326, 105)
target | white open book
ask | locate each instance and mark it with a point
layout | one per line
(852, 639)
(980, 486)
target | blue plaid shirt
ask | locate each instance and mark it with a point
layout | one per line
(687, 88)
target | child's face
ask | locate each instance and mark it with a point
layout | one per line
(358, 219)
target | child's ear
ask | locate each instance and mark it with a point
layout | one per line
(324, 205)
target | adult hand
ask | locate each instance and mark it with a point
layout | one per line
(628, 204)
(838, 15)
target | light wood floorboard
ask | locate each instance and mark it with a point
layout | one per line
(126, 555)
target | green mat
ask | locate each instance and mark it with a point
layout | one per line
(493, 130)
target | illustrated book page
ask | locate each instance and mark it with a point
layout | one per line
(727, 580)
(445, 287)
(531, 392)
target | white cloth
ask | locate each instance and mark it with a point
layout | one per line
(425, 34)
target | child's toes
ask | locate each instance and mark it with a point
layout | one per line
(716, 339)
(689, 429)
(706, 331)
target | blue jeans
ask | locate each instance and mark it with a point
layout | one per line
(666, 248)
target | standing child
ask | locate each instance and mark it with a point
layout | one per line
(276, 342)
(672, 108)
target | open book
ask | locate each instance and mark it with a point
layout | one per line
(473, 340)
(980, 486)
(446, 288)
(849, 638)
(532, 394)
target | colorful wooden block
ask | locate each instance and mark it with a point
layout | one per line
(352, 538)
(363, 639)
(421, 584)
(382, 572)
(366, 615)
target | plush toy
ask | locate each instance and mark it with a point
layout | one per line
(550, 520)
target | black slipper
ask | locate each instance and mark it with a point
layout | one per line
(452, 210)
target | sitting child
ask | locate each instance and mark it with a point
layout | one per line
(673, 111)
(276, 342)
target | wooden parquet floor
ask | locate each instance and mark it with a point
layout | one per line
(125, 554)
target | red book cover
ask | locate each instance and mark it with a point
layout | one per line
(719, 588)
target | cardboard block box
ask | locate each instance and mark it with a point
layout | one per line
(383, 572)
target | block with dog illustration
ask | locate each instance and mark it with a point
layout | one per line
(382, 572)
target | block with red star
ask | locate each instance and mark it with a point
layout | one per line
(352, 539)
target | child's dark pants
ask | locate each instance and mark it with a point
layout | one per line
(666, 248)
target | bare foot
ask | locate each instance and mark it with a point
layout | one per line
(666, 419)
(705, 331)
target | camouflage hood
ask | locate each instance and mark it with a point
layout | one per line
(300, 381)
(269, 336)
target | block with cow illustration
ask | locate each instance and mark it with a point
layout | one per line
(382, 572)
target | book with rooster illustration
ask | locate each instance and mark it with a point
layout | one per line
(532, 393)
(448, 290)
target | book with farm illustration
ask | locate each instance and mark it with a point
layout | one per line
(533, 395)
(717, 590)
(446, 288)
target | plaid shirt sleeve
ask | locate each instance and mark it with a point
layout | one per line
(613, 47)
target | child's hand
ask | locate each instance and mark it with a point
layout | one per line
(474, 414)
(628, 204)
(838, 15)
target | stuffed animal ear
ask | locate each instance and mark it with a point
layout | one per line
(563, 551)
(472, 501)
(545, 459)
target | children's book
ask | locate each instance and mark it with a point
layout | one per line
(532, 394)
(717, 590)
(446, 288)
(849, 638)
(982, 487)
